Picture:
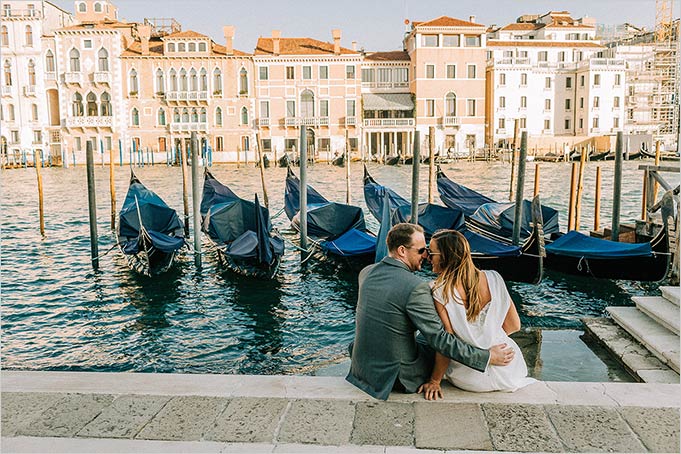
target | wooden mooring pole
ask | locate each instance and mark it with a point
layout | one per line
(522, 159)
(617, 188)
(261, 164)
(416, 161)
(657, 163)
(536, 180)
(347, 167)
(571, 201)
(92, 204)
(303, 194)
(112, 188)
(196, 199)
(597, 201)
(580, 188)
(41, 212)
(431, 163)
(185, 184)
(514, 149)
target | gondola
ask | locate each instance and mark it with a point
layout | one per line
(514, 263)
(336, 229)
(149, 232)
(339, 160)
(286, 161)
(265, 162)
(240, 230)
(392, 160)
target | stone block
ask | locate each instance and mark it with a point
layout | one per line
(68, 416)
(522, 428)
(20, 409)
(126, 416)
(384, 423)
(248, 420)
(593, 429)
(324, 422)
(184, 418)
(451, 426)
(658, 428)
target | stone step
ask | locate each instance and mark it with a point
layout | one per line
(659, 340)
(671, 294)
(661, 310)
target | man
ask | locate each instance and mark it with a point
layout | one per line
(393, 303)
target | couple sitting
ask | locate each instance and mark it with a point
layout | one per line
(476, 315)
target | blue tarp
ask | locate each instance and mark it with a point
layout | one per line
(575, 244)
(458, 196)
(498, 218)
(292, 195)
(352, 243)
(483, 245)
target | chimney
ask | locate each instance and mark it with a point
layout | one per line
(144, 33)
(354, 46)
(276, 36)
(336, 33)
(471, 19)
(228, 31)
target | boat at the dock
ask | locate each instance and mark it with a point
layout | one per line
(149, 232)
(240, 230)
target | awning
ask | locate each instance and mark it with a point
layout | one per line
(388, 101)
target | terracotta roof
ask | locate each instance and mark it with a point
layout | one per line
(156, 50)
(397, 55)
(568, 25)
(446, 21)
(298, 46)
(521, 26)
(540, 43)
(103, 25)
(186, 34)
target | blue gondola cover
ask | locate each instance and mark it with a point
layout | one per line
(575, 244)
(498, 218)
(352, 243)
(455, 195)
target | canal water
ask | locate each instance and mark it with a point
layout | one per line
(57, 314)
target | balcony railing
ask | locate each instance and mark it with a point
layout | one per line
(385, 85)
(510, 61)
(595, 130)
(28, 13)
(89, 122)
(102, 77)
(6, 90)
(306, 121)
(450, 121)
(350, 121)
(29, 90)
(188, 127)
(501, 130)
(186, 96)
(389, 122)
(262, 122)
(73, 78)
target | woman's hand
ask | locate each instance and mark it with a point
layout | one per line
(431, 390)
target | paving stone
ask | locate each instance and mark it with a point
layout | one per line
(248, 420)
(317, 449)
(523, 428)
(450, 426)
(184, 418)
(126, 416)
(384, 423)
(659, 376)
(20, 409)
(593, 429)
(67, 416)
(658, 428)
(324, 422)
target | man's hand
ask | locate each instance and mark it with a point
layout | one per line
(501, 355)
(431, 390)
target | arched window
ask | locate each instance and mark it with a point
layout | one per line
(29, 35)
(195, 116)
(135, 117)
(160, 88)
(161, 117)
(103, 58)
(77, 105)
(176, 115)
(98, 7)
(74, 58)
(183, 80)
(191, 47)
(4, 36)
(217, 81)
(171, 47)
(203, 80)
(450, 105)
(173, 80)
(10, 112)
(91, 104)
(307, 104)
(7, 73)
(243, 82)
(105, 106)
(244, 116)
(82, 7)
(202, 114)
(181, 47)
(218, 117)
(134, 83)
(49, 61)
(34, 112)
(185, 115)
(31, 72)
(193, 82)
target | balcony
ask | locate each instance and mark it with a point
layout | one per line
(73, 78)
(262, 122)
(186, 96)
(385, 85)
(350, 121)
(29, 90)
(389, 122)
(509, 61)
(595, 130)
(21, 13)
(604, 63)
(306, 121)
(501, 131)
(89, 122)
(451, 121)
(7, 90)
(189, 127)
(102, 77)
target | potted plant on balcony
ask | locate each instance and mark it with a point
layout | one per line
(133, 93)
(243, 92)
(160, 93)
(217, 92)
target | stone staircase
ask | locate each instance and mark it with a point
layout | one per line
(654, 323)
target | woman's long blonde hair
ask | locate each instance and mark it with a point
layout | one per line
(458, 269)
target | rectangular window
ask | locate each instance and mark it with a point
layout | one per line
(522, 54)
(87, 44)
(266, 145)
(508, 54)
(324, 72)
(547, 104)
(502, 79)
(37, 136)
(430, 107)
(616, 101)
(502, 101)
(290, 108)
(450, 41)
(324, 108)
(264, 109)
(350, 72)
(353, 142)
(568, 104)
(547, 82)
(350, 108)
(263, 72)
(616, 122)
(78, 144)
(581, 81)
(568, 82)
(290, 144)
(561, 56)
(502, 123)
(324, 144)
(15, 137)
(523, 79)
(108, 142)
(472, 40)
(595, 122)
(290, 73)
(430, 71)
(523, 123)
(429, 40)
(245, 143)
(401, 75)
(471, 72)
(581, 103)
(219, 143)
(162, 144)
(470, 107)
(368, 75)
(597, 80)
(567, 123)
(523, 102)
(451, 71)
(597, 102)
(543, 56)
(307, 72)
(618, 79)
(581, 123)
(547, 124)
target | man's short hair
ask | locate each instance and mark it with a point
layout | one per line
(400, 235)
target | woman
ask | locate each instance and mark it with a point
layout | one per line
(476, 306)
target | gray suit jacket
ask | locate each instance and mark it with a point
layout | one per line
(392, 304)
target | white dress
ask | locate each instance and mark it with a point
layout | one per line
(484, 332)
